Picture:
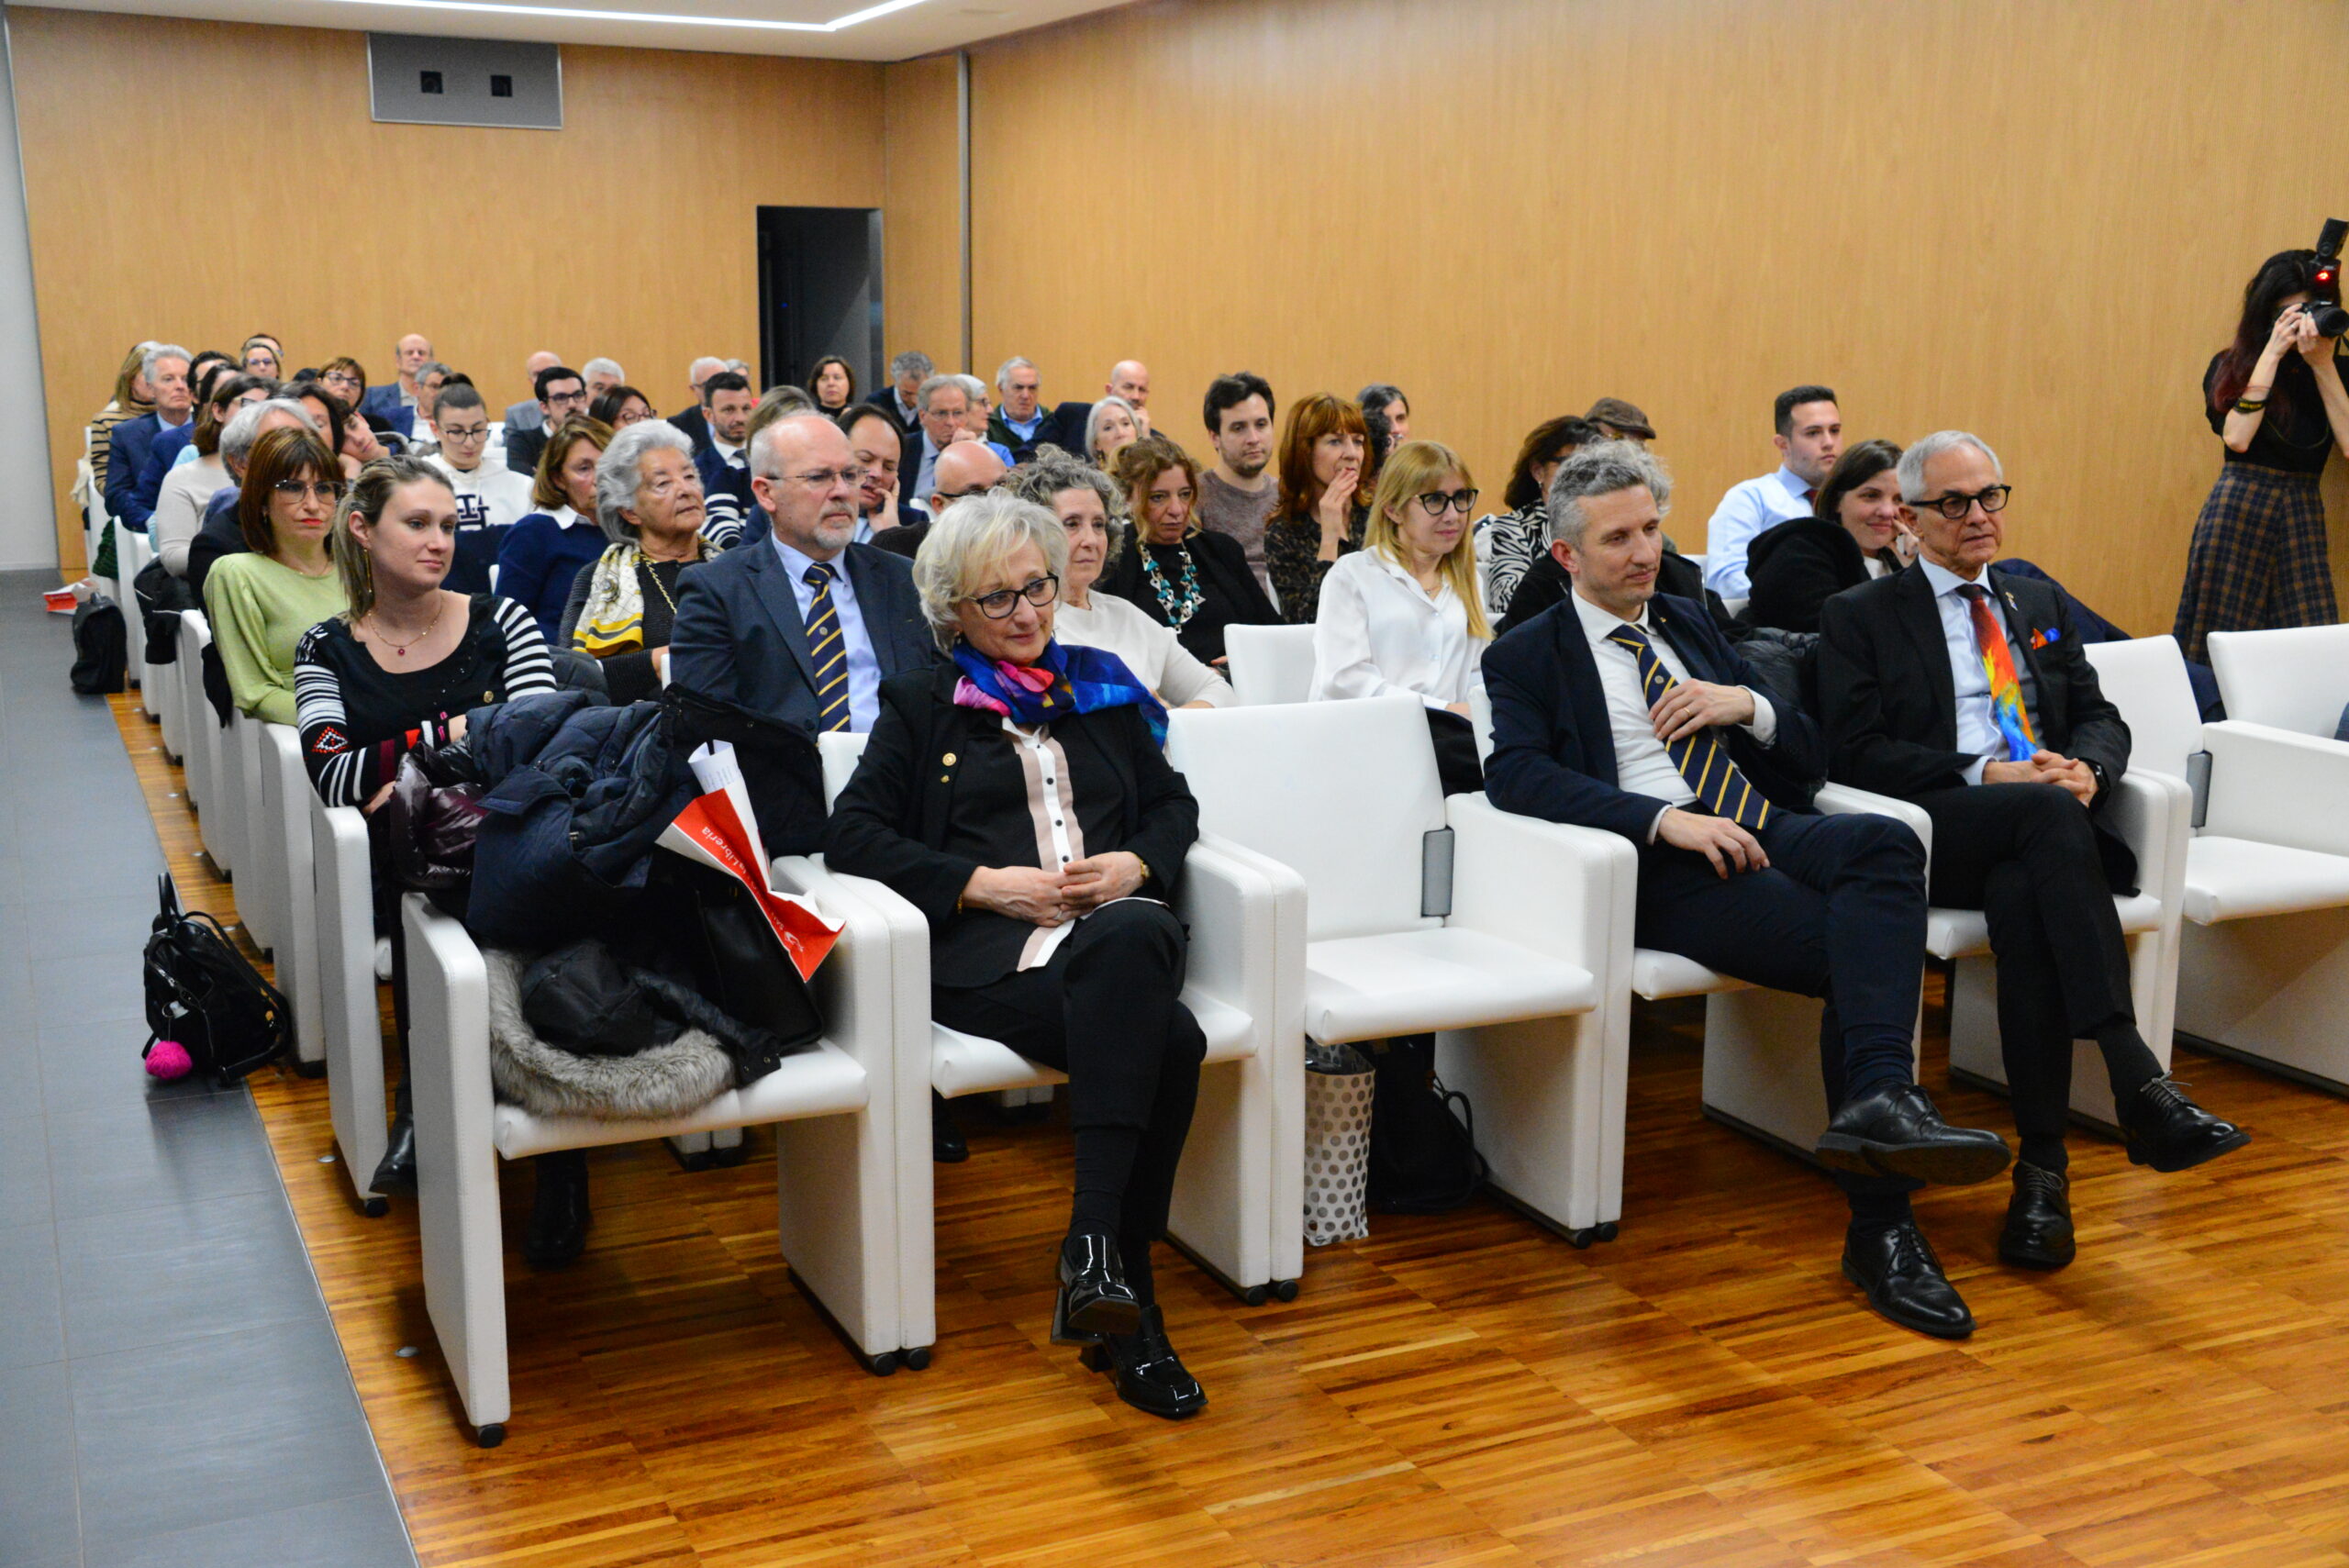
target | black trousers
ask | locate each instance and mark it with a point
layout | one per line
(1838, 914)
(2033, 862)
(1107, 1010)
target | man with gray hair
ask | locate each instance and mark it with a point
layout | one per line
(1021, 423)
(220, 534)
(901, 398)
(691, 419)
(978, 414)
(944, 408)
(527, 415)
(411, 354)
(130, 500)
(602, 376)
(802, 625)
(1960, 686)
(1628, 711)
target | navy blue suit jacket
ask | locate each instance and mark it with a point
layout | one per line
(739, 636)
(1554, 749)
(130, 500)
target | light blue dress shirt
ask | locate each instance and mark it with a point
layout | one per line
(1747, 511)
(864, 667)
(1977, 730)
(925, 472)
(1026, 428)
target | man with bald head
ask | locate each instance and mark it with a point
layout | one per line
(964, 468)
(527, 415)
(802, 625)
(1130, 379)
(694, 419)
(413, 353)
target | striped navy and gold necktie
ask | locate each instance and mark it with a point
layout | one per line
(1702, 759)
(827, 650)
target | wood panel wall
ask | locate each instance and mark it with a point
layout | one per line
(632, 232)
(921, 229)
(2030, 221)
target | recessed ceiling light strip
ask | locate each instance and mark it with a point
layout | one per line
(582, 14)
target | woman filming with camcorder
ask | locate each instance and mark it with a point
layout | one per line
(2276, 399)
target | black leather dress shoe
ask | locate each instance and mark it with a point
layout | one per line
(2038, 1233)
(559, 1218)
(1149, 1375)
(2165, 1129)
(946, 1145)
(1895, 1131)
(1095, 1298)
(395, 1173)
(1893, 1262)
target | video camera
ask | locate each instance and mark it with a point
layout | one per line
(2324, 284)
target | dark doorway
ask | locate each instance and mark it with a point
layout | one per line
(819, 291)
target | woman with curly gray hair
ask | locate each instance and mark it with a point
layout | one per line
(622, 605)
(1089, 509)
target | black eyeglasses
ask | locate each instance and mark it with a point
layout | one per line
(298, 489)
(1038, 592)
(1955, 506)
(1437, 503)
(950, 496)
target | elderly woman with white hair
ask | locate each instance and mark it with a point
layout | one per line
(1086, 502)
(1111, 428)
(622, 604)
(1016, 794)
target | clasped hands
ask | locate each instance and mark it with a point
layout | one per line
(2046, 767)
(1053, 897)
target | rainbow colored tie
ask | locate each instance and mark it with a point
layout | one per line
(1702, 759)
(1998, 663)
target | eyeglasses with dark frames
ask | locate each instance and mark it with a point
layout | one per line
(1955, 506)
(303, 489)
(1037, 591)
(1437, 502)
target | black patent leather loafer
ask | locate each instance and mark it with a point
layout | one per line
(1895, 1265)
(1895, 1131)
(1095, 1298)
(2038, 1232)
(1148, 1373)
(2165, 1128)
(557, 1233)
(946, 1145)
(395, 1173)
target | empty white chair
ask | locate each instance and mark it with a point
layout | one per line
(1270, 663)
(2296, 678)
(1238, 1195)
(2263, 955)
(349, 1022)
(835, 1136)
(1498, 933)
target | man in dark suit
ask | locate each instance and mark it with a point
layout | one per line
(879, 445)
(802, 624)
(900, 399)
(1954, 684)
(561, 392)
(966, 468)
(130, 500)
(399, 395)
(727, 400)
(1021, 423)
(1621, 710)
(692, 420)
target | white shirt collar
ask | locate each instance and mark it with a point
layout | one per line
(1597, 620)
(567, 517)
(725, 449)
(1793, 484)
(1944, 579)
(796, 561)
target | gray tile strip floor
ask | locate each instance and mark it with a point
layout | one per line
(171, 1388)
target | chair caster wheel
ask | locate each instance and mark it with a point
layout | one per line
(1286, 1289)
(489, 1435)
(1256, 1295)
(1581, 1240)
(375, 1207)
(883, 1364)
(918, 1358)
(310, 1069)
(1608, 1231)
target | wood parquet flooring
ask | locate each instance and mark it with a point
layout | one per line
(1705, 1392)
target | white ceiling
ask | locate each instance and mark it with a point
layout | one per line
(875, 29)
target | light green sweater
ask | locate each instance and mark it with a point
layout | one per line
(259, 610)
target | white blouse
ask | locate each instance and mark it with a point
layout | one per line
(1154, 654)
(180, 504)
(1379, 633)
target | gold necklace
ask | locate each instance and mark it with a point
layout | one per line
(399, 650)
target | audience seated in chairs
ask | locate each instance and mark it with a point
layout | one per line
(1509, 543)
(1809, 439)
(624, 604)
(491, 497)
(181, 499)
(263, 356)
(1323, 503)
(727, 403)
(1129, 383)
(878, 442)
(622, 406)
(1049, 932)
(963, 469)
(1627, 711)
(132, 398)
(221, 535)
(262, 601)
(1237, 495)
(1951, 684)
(1091, 510)
(562, 394)
(397, 668)
(129, 501)
(1111, 427)
(527, 415)
(1403, 614)
(901, 400)
(1178, 574)
(543, 552)
(832, 384)
(1856, 533)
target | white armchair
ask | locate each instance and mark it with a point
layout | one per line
(836, 1153)
(1269, 663)
(1238, 1197)
(2296, 678)
(259, 896)
(281, 834)
(208, 745)
(348, 1019)
(135, 550)
(2262, 964)
(1505, 959)
(169, 688)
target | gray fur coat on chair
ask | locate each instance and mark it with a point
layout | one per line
(546, 1080)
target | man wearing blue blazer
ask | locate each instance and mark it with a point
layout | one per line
(724, 462)
(130, 500)
(801, 625)
(398, 396)
(1628, 711)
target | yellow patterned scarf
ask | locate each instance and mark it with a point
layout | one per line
(612, 621)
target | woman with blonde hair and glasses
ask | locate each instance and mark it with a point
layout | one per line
(1403, 614)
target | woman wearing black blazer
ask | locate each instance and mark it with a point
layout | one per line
(1182, 575)
(1017, 796)
(1855, 533)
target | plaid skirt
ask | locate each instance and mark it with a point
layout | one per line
(2258, 559)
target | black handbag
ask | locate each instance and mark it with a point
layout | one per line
(1423, 1158)
(101, 647)
(160, 597)
(714, 935)
(781, 766)
(202, 993)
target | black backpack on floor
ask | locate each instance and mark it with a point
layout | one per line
(201, 993)
(101, 647)
(1423, 1159)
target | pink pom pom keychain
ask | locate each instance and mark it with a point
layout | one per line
(168, 1058)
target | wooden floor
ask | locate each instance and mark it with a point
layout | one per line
(1705, 1390)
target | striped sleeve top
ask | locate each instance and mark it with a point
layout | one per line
(358, 718)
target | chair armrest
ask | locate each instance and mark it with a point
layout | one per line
(1245, 913)
(860, 984)
(1565, 891)
(2154, 813)
(2277, 787)
(1842, 800)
